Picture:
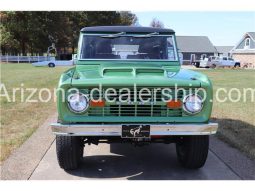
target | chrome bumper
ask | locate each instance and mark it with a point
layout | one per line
(115, 129)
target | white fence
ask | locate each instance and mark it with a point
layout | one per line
(29, 59)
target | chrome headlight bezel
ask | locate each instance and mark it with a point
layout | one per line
(185, 107)
(83, 96)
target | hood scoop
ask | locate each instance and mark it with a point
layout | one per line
(110, 72)
(150, 72)
(118, 72)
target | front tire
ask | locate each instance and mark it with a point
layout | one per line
(69, 151)
(192, 151)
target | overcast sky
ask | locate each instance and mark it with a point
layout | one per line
(223, 28)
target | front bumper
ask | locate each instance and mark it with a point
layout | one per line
(115, 129)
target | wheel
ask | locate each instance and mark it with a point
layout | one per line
(192, 151)
(69, 151)
(213, 66)
(197, 64)
(51, 65)
(237, 64)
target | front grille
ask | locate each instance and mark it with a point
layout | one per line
(135, 108)
(135, 111)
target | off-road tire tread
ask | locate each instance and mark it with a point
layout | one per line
(69, 151)
(237, 64)
(197, 151)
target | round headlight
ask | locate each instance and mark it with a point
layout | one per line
(78, 103)
(192, 104)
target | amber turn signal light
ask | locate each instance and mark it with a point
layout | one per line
(97, 103)
(174, 104)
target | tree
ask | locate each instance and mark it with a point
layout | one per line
(32, 32)
(156, 23)
(128, 18)
(6, 40)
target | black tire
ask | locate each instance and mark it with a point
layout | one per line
(197, 64)
(51, 65)
(213, 66)
(237, 64)
(192, 151)
(69, 151)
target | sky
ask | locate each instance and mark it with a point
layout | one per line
(222, 28)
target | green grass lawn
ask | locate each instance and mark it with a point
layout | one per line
(236, 120)
(19, 120)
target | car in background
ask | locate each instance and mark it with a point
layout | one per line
(216, 61)
(64, 60)
(53, 63)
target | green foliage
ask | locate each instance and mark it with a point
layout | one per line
(6, 38)
(32, 32)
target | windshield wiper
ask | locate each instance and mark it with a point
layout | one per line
(146, 35)
(114, 35)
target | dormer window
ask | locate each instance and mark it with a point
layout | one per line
(247, 43)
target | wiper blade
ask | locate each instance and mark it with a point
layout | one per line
(113, 35)
(146, 35)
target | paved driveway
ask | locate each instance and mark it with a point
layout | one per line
(124, 161)
(36, 159)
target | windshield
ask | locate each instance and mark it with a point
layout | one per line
(138, 47)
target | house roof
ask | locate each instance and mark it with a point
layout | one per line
(128, 29)
(250, 34)
(224, 49)
(195, 44)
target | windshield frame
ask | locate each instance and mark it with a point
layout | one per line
(177, 59)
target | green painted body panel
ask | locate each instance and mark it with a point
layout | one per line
(122, 73)
(91, 73)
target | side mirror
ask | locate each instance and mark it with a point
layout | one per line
(180, 57)
(74, 58)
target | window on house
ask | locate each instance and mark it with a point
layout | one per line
(247, 42)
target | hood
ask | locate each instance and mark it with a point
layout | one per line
(128, 74)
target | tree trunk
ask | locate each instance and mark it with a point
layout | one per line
(73, 49)
(23, 48)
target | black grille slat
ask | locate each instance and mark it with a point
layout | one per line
(133, 109)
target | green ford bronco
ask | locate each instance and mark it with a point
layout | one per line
(128, 87)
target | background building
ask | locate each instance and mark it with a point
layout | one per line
(244, 51)
(224, 50)
(195, 47)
